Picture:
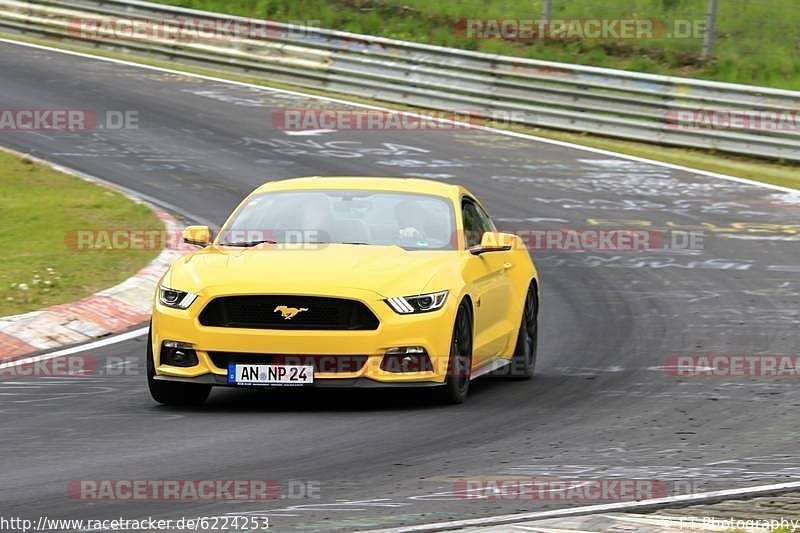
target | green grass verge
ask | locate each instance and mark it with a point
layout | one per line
(40, 206)
(786, 175)
(756, 41)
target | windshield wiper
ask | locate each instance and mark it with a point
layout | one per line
(338, 242)
(248, 244)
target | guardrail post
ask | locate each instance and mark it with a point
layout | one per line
(547, 9)
(711, 20)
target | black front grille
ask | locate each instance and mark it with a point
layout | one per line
(264, 312)
(321, 363)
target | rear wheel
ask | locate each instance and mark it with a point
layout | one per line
(524, 360)
(172, 392)
(456, 384)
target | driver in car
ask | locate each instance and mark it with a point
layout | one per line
(411, 219)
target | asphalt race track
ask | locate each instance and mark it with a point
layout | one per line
(602, 404)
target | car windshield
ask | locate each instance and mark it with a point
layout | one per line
(411, 221)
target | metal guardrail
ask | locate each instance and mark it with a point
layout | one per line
(622, 104)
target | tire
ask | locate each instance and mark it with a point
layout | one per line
(456, 385)
(524, 360)
(172, 392)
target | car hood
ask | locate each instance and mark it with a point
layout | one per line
(330, 269)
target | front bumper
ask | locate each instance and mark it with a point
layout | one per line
(431, 331)
(332, 383)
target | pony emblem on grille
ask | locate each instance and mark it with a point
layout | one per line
(289, 313)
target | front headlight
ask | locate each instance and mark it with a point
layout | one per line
(175, 298)
(422, 303)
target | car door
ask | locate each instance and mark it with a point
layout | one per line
(491, 287)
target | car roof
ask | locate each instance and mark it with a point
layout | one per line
(414, 185)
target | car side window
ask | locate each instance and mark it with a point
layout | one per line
(487, 220)
(476, 223)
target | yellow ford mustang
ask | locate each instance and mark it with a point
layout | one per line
(345, 282)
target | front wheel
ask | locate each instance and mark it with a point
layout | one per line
(459, 365)
(171, 392)
(524, 360)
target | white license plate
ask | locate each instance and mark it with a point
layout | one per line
(270, 374)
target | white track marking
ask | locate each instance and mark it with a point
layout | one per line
(128, 335)
(306, 133)
(593, 509)
(379, 108)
